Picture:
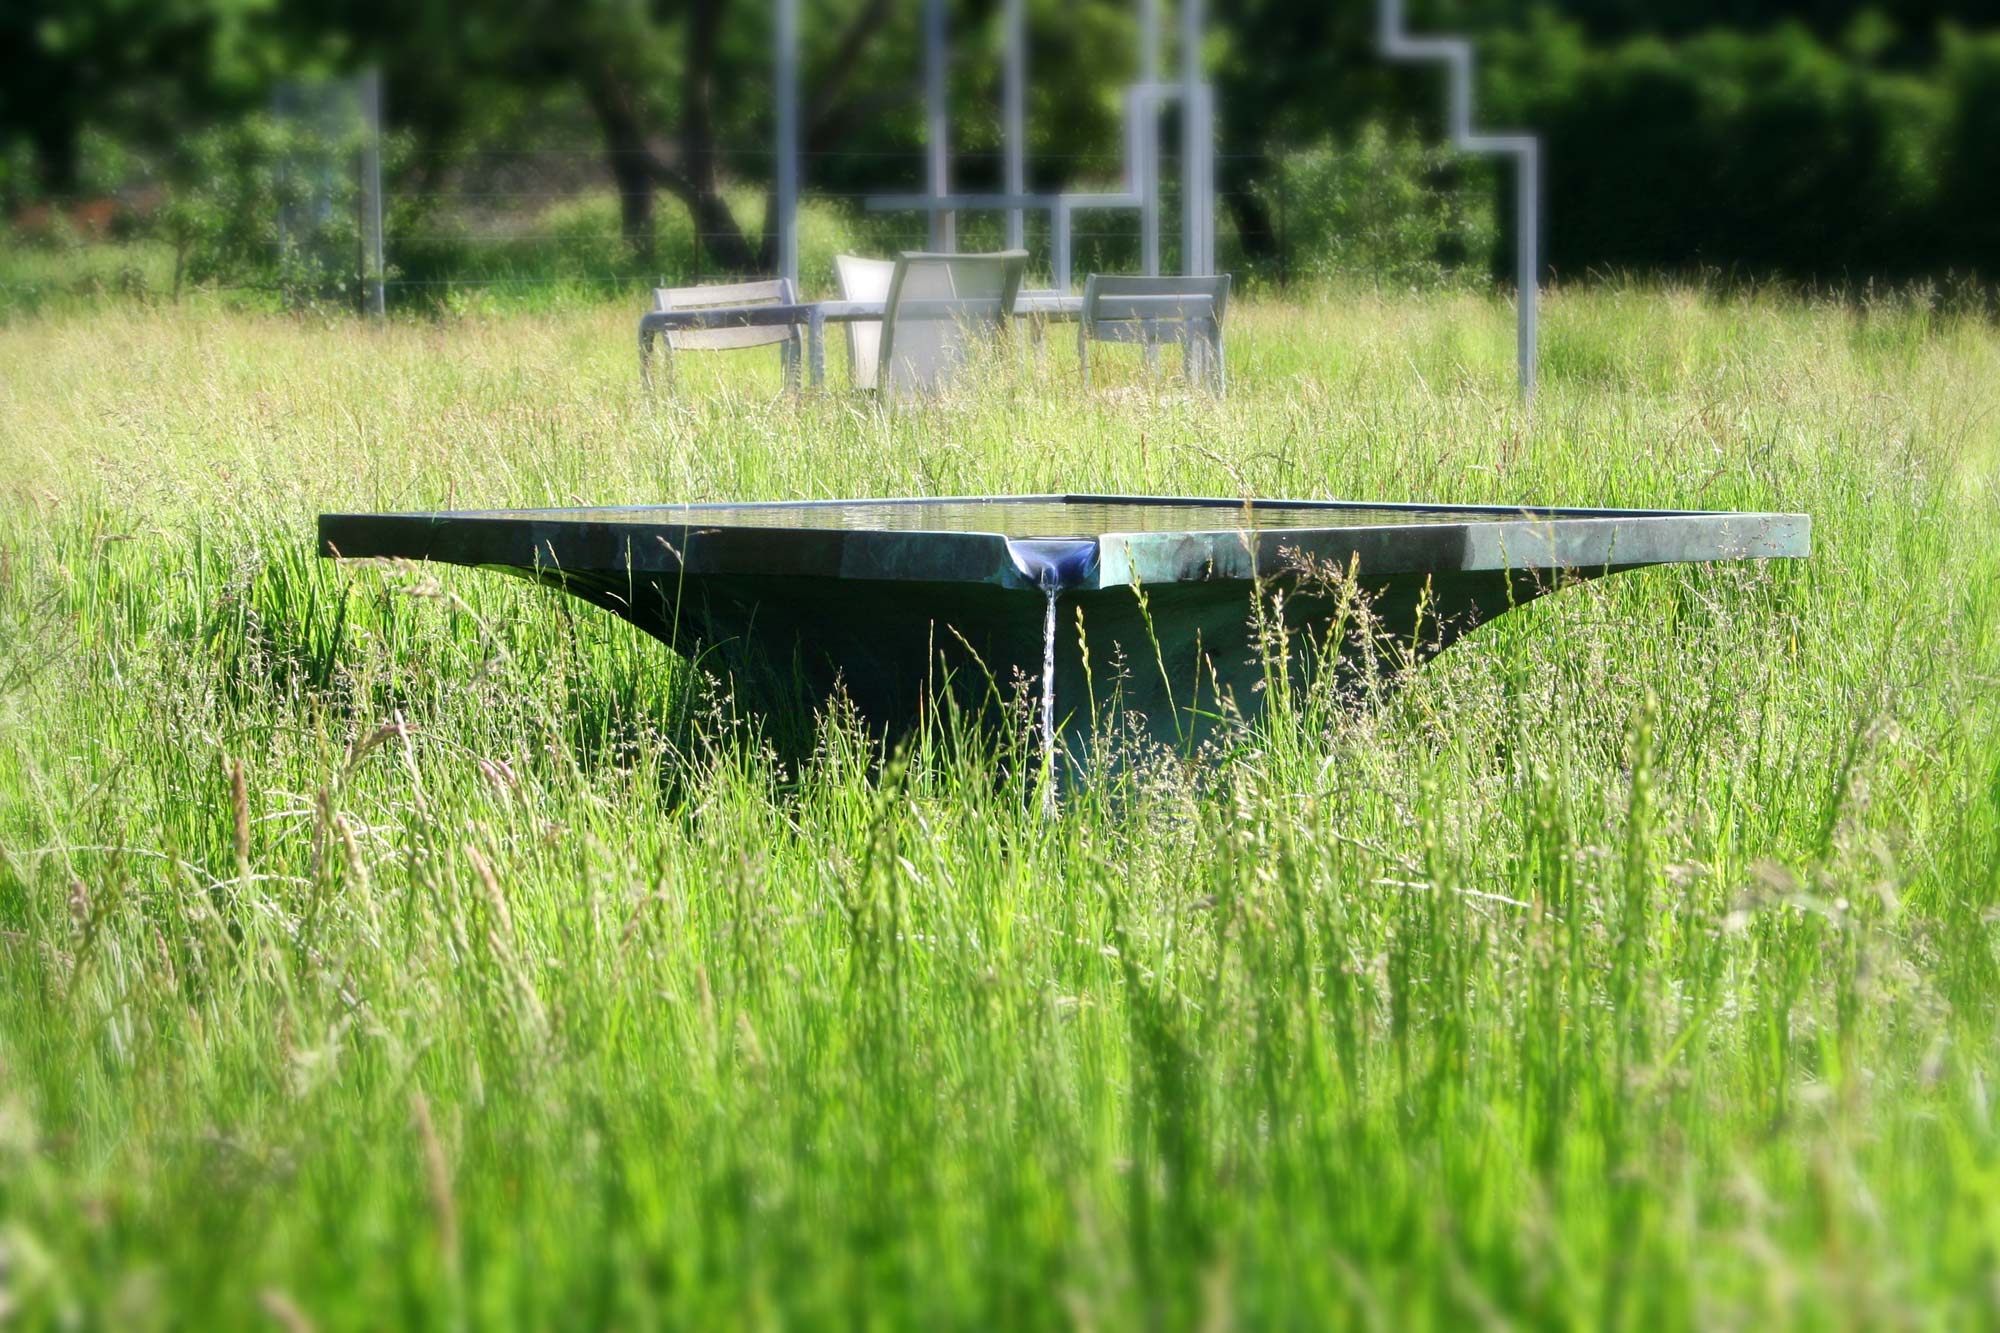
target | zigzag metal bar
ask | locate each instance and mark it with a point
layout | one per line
(1456, 54)
(1143, 101)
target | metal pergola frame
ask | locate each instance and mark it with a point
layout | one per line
(1141, 187)
(1143, 102)
(1525, 149)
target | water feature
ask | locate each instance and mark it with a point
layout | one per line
(892, 601)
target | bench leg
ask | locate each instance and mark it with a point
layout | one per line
(816, 350)
(646, 362)
(788, 361)
(1201, 352)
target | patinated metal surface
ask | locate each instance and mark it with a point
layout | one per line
(894, 601)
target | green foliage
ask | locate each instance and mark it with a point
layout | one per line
(263, 203)
(574, 248)
(1968, 211)
(1831, 143)
(390, 945)
(1768, 154)
(1383, 208)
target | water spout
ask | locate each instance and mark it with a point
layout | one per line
(1056, 562)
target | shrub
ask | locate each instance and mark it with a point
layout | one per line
(262, 204)
(1770, 154)
(1387, 208)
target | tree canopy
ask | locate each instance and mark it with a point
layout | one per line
(677, 95)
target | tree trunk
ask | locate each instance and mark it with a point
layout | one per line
(698, 183)
(634, 180)
(626, 155)
(695, 179)
(1255, 230)
(637, 171)
(58, 149)
(721, 238)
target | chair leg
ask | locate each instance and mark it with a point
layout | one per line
(1083, 351)
(646, 362)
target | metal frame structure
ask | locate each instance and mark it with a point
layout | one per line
(785, 72)
(787, 78)
(1525, 149)
(1144, 101)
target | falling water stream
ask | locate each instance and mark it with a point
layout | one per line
(1049, 703)
(1053, 565)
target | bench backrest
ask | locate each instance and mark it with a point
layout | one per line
(1121, 307)
(768, 291)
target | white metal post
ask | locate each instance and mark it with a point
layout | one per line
(374, 274)
(1016, 115)
(1143, 151)
(787, 77)
(944, 224)
(1204, 114)
(1195, 202)
(1059, 258)
(1527, 261)
(1456, 54)
(1142, 170)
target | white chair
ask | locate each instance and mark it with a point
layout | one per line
(939, 307)
(863, 280)
(1121, 308)
(724, 316)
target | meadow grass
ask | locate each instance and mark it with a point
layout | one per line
(390, 946)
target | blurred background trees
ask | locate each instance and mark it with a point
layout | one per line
(1828, 141)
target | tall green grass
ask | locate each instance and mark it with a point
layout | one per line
(388, 946)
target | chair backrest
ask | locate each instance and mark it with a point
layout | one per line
(769, 291)
(864, 280)
(939, 306)
(1123, 307)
